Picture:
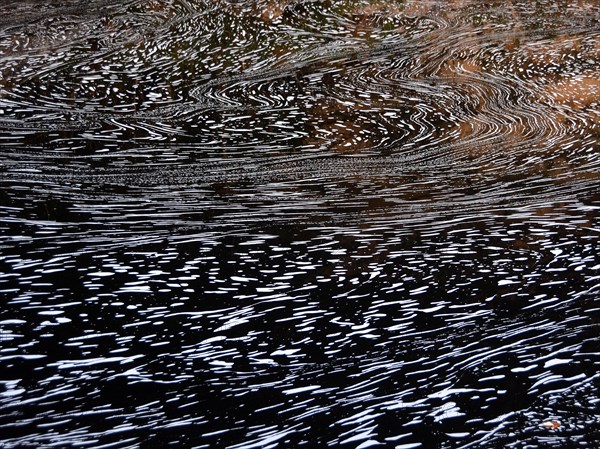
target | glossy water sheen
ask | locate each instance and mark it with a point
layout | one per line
(294, 224)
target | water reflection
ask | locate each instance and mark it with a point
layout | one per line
(287, 224)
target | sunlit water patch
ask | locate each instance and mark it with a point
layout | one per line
(299, 224)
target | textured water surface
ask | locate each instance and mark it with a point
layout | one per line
(280, 224)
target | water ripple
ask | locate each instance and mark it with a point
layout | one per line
(294, 223)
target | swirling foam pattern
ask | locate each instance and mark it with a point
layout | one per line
(281, 224)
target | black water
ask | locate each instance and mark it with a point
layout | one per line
(294, 224)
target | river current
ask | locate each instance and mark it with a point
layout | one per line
(284, 224)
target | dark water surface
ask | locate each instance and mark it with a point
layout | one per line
(270, 224)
